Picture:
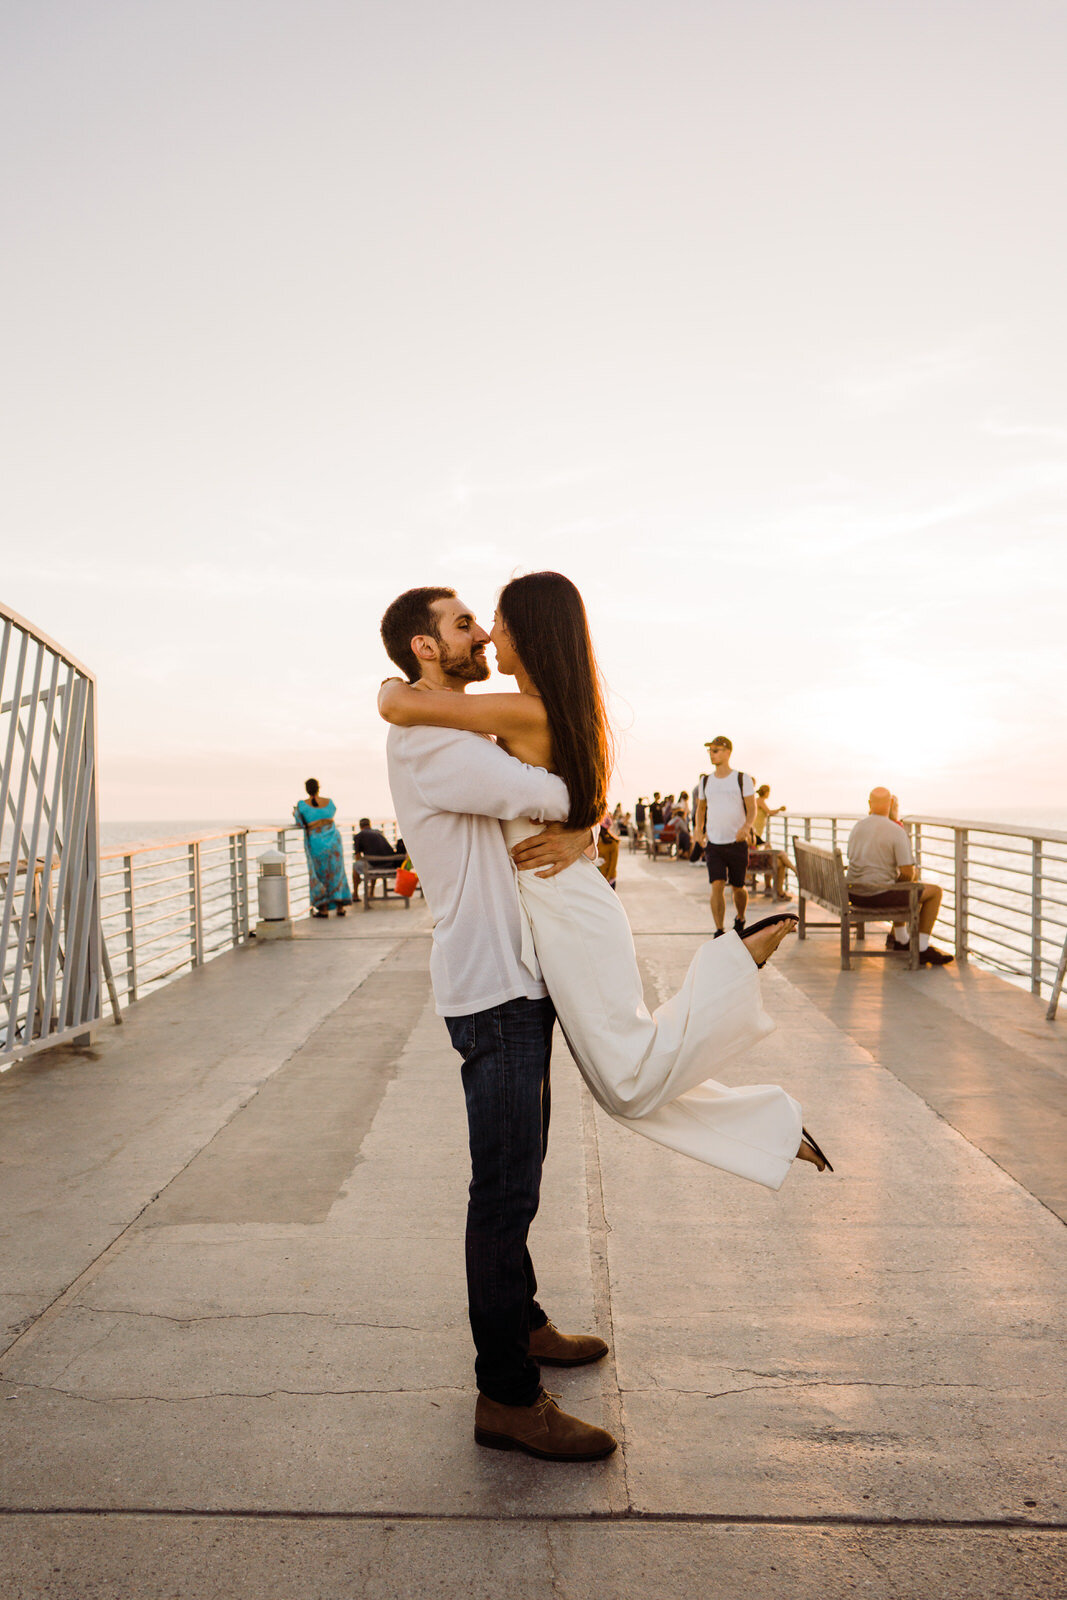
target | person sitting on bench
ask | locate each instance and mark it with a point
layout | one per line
(371, 845)
(879, 862)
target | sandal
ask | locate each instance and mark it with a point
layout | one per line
(821, 1164)
(769, 922)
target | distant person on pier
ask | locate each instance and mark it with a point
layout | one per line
(879, 863)
(607, 847)
(681, 825)
(327, 880)
(725, 816)
(696, 849)
(370, 844)
(764, 812)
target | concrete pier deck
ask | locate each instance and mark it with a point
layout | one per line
(237, 1358)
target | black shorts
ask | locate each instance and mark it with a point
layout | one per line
(727, 863)
(889, 899)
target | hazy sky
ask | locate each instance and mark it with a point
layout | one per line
(748, 316)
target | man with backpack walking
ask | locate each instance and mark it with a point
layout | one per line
(726, 811)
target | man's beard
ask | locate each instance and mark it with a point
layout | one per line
(469, 668)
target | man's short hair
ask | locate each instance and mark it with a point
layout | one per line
(364, 822)
(720, 738)
(411, 613)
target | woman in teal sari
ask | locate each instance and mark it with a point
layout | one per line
(327, 881)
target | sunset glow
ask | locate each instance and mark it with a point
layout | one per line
(755, 331)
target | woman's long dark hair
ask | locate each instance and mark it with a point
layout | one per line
(545, 617)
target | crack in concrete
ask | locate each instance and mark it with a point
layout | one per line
(77, 1356)
(252, 1316)
(558, 1583)
(817, 1383)
(861, 1549)
(221, 1394)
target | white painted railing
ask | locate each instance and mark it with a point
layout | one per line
(51, 958)
(168, 907)
(164, 908)
(1004, 900)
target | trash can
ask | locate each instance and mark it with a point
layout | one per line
(273, 886)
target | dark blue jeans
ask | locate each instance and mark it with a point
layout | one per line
(506, 1052)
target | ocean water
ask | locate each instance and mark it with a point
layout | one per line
(115, 835)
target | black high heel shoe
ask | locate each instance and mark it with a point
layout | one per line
(769, 922)
(820, 1163)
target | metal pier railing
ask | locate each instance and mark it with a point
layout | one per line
(161, 909)
(52, 964)
(168, 907)
(1004, 900)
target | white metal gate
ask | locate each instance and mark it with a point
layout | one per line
(50, 946)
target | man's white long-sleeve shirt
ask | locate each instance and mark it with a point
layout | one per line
(451, 789)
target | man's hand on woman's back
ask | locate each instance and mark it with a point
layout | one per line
(553, 850)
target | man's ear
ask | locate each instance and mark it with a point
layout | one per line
(424, 647)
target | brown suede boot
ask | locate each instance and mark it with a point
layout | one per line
(550, 1348)
(540, 1430)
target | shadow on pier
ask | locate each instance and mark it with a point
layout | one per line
(237, 1359)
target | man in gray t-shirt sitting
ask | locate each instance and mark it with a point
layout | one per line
(880, 862)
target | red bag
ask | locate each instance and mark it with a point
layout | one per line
(407, 881)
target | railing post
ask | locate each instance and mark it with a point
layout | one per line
(833, 833)
(1035, 919)
(917, 848)
(961, 893)
(131, 929)
(807, 829)
(242, 879)
(196, 921)
(235, 891)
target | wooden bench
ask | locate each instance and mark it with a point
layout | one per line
(666, 844)
(762, 860)
(821, 877)
(641, 838)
